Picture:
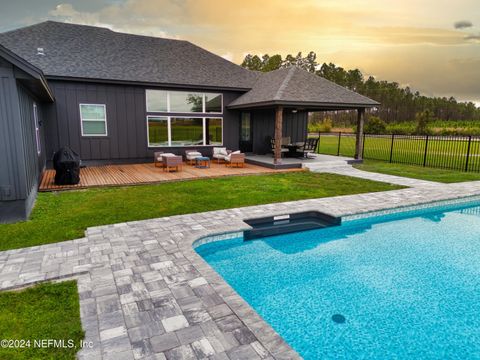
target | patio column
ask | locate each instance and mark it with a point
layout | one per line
(359, 137)
(277, 155)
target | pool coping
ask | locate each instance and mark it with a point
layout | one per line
(113, 254)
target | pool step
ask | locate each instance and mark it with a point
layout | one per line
(284, 224)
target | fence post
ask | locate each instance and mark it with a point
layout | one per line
(363, 146)
(425, 155)
(391, 148)
(318, 145)
(339, 139)
(468, 152)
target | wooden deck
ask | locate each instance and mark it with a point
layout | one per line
(137, 174)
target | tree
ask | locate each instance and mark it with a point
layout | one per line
(398, 104)
(252, 62)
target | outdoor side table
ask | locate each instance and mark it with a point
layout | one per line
(202, 162)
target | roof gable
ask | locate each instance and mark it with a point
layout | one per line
(79, 51)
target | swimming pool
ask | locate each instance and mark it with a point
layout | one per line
(398, 286)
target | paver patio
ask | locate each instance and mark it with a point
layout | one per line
(146, 294)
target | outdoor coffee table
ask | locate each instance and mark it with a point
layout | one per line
(202, 162)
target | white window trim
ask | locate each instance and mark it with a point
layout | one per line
(169, 130)
(204, 104)
(97, 120)
(37, 129)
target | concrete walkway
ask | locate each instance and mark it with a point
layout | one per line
(146, 294)
(342, 166)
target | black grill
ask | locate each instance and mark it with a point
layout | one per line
(66, 163)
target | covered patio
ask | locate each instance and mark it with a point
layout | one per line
(286, 96)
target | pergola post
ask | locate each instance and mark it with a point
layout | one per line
(277, 154)
(359, 137)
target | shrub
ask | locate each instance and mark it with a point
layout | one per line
(375, 125)
(423, 119)
(401, 128)
(324, 126)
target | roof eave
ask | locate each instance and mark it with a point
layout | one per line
(28, 68)
(146, 83)
(304, 104)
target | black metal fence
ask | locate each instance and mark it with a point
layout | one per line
(447, 152)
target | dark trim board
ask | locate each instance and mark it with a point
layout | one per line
(274, 166)
(146, 84)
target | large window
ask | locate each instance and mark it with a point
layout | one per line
(183, 102)
(213, 130)
(93, 119)
(157, 131)
(157, 101)
(213, 103)
(186, 131)
(183, 131)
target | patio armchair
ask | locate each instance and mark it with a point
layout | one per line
(191, 155)
(235, 158)
(283, 150)
(158, 158)
(220, 153)
(286, 140)
(172, 162)
(309, 146)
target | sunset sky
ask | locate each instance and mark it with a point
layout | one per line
(431, 45)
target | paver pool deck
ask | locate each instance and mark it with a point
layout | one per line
(146, 294)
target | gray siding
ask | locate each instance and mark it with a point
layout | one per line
(126, 122)
(294, 125)
(20, 165)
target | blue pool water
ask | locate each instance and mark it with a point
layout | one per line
(407, 287)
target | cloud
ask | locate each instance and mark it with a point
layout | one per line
(228, 56)
(399, 42)
(115, 17)
(462, 24)
(472, 37)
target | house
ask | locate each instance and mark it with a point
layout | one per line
(117, 98)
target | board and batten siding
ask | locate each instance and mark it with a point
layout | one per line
(126, 122)
(263, 122)
(20, 164)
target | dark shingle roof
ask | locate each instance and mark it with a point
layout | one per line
(294, 86)
(81, 51)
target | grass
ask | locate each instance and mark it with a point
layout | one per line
(47, 311)
(66, 215)
(440, 152)
(418, 172)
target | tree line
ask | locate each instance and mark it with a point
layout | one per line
(398, 104)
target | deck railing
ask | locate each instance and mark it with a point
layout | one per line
(447, 152)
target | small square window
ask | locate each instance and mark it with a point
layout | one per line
(93, 119)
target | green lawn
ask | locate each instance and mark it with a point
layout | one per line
(418, 172)
(444, 152)
(47, 311)
(65, 215)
